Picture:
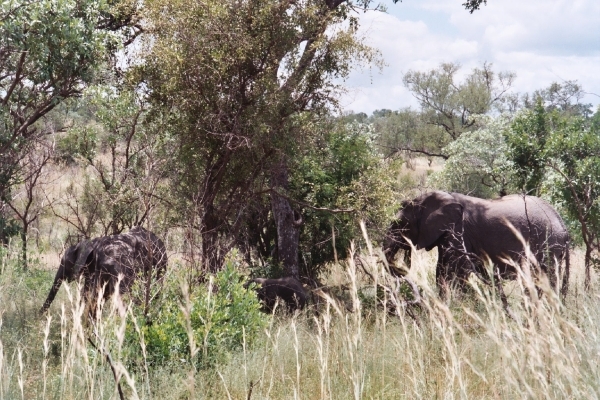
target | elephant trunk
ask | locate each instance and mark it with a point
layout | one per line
(58, 280)
(403, 270)
(391, 246)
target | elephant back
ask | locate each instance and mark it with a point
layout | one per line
(151, 250)
(499, 228)
(536, 219)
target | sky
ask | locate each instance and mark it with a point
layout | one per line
(542, 41)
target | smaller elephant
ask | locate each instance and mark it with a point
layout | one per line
(288, 289)
(137, 254)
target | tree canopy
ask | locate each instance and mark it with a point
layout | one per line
(49, 51)
(240, 88)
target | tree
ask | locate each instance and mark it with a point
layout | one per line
(526, 141)
(573, 160)
(478, 162)
(563, 97)
(543, 112)
(240, 86)
(343, 179)
(557, 153)
(447, 109)
(338, 181)
(406, 131)
(49, 51)
(450, 105)
(28, 203)
(123, 159)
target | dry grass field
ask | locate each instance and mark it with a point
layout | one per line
(466, 348)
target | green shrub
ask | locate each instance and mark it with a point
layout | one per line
(216, 320)
(80, 141)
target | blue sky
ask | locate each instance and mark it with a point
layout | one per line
(542, 41)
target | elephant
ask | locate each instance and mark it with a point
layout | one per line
(467, 231)
(101, 261)
(288, 289)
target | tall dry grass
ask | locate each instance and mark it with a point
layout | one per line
(467, 348)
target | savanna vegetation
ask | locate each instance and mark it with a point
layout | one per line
(217, 126)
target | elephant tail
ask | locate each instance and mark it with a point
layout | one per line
(565, 283)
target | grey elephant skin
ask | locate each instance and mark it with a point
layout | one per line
(100, 261)
(288, 289)
(468, 230)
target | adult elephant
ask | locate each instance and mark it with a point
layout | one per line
(288, 289)
(467, 231)
(102, 261)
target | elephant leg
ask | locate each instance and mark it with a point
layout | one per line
(451, 271)
(560, 275)
(462, 279)
(442, 280)
(88, 299)
(565, 282)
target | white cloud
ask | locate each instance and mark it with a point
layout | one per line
(541, 41)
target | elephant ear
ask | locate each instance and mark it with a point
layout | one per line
(438, 221)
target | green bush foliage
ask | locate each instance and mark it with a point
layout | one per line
(80, 141)
(219, 318)
(344, 172)
(478, 162)
(526, 141)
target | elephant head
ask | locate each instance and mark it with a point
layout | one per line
(72, 265)
(423, 221)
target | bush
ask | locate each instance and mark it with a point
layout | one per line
(204, 327)
(347, 172)
(79, 142)
(478, 162)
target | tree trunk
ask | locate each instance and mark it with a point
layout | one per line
(287, 221)
(211, 251)
(588, 264)
(24, 246)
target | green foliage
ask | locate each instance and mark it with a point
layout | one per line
(573, 174)
(344, 172)
(62, 42)
(526, 141)
(478, 162)
(243, 105)
(79, 142)
(557, 153)
(219, 318)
